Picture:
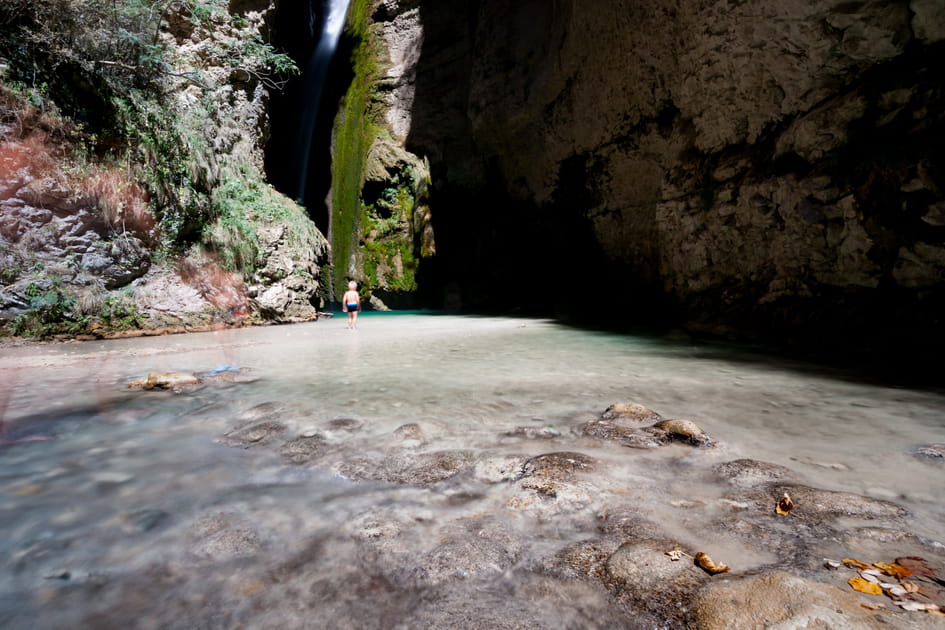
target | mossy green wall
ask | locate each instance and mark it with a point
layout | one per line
(353, 135)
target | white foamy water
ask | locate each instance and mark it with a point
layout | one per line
(130, 480)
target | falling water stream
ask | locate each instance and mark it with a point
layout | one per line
(316, 74)
(135, 512)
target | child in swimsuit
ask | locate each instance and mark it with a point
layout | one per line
(351, 304)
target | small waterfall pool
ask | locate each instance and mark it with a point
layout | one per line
(136, 512)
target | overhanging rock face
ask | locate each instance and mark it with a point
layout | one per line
(744, 159)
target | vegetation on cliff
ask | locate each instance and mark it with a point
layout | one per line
(148, 116)
(380, 221)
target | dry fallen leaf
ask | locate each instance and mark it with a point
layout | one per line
(706, 564)
(831, 564)
(785, 504)
(894, 590)
(872, 575)
(911, 587)
(864, 586)
(915, 566)
(674, 555)
(893, 569)
(856, 564)
(872, 605)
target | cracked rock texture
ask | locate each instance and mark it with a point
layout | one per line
(770, 167)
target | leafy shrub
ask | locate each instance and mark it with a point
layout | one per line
(51, 311)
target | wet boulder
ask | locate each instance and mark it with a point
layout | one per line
(930, 452)
(549, 474)
(815, 504)
(644, 577)
(778, 599)
(622, 424)
(630, 412)
(618, 431)
(685, 431)
(643, 568)
(175, 381)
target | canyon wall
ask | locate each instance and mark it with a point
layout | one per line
(753, 166)
(149, 208)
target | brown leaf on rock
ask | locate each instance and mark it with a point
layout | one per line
(872, 605)
(706, 564)
(933, 593)
(864, 586)
(915, 566)
(785, 504)
(856, 564)
(893, 569)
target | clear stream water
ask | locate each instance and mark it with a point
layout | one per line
(126, 476)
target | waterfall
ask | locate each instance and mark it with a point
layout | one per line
(316, 73)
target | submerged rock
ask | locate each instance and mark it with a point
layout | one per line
(411, 469)
(533, 433)
(558, 466)
(188, 381)
(302, 449)
(410, 433)
(621, 423)
(748, 473)
(253, 435)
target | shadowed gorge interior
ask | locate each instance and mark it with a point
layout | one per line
(793, 199)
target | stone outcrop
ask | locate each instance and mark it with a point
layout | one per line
(769, 167)
(77, 239)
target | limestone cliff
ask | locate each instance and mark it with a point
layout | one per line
(149, 207)
(766, 166)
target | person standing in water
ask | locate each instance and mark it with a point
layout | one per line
(351, 304)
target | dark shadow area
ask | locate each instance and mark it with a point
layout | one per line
(498, 254)
(296, 30)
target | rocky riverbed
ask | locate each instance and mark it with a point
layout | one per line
(359, 496)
